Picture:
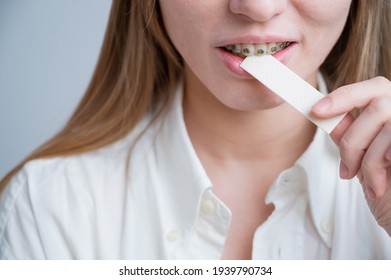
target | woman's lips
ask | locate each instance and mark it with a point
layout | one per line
(233, 61)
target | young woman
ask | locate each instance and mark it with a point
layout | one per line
(176, 152)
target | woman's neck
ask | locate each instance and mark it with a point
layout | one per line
(224, 134)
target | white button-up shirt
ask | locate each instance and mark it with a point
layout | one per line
(84, 207)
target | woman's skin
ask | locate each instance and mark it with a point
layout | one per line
(244, 134)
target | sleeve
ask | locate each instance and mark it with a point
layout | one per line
(19, 233)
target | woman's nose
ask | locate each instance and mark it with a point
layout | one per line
(257, 10)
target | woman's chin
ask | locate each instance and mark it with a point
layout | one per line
(262, 101)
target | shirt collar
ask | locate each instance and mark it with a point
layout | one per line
(321, 164)
(179, 163)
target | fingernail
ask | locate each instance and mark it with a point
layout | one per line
(370, 193)
(343, 170)
(322, 106)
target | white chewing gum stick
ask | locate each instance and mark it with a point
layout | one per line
(289, 86)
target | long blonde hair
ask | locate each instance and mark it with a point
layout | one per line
(362, 52)
(138, 69)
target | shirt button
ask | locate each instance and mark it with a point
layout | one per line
(174, 235)
(208, 206)
(326, 227)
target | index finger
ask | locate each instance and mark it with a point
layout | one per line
(349, 97)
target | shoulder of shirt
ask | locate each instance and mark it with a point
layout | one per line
(110, 159)
(78, 181)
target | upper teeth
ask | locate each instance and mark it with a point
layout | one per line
(257, 49)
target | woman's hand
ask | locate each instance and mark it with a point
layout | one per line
(365, 142)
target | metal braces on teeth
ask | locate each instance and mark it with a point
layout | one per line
(256, 49)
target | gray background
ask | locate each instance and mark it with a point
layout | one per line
(48, 50)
